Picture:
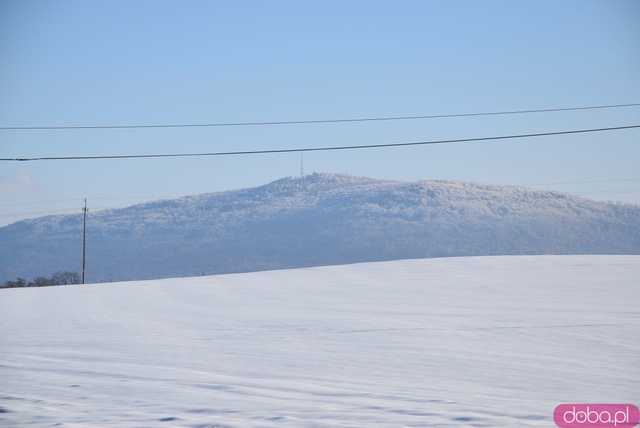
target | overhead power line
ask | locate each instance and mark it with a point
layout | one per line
(319, 149)
(608, 192)
(585, 181)
(309, 122)
(49, 212)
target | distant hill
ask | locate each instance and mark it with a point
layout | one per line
(321, 219)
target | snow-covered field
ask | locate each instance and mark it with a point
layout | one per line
(480, 341)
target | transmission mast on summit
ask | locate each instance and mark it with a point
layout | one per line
(302, 169)
(301, 165)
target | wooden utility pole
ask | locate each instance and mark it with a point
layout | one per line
(84, 237)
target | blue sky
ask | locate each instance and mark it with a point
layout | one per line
(84, 62)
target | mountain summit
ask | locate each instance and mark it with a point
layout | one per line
(319, 219)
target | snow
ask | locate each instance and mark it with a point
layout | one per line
(476, 341)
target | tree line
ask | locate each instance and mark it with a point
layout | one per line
(58, 278)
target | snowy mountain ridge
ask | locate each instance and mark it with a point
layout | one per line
(315, 220)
